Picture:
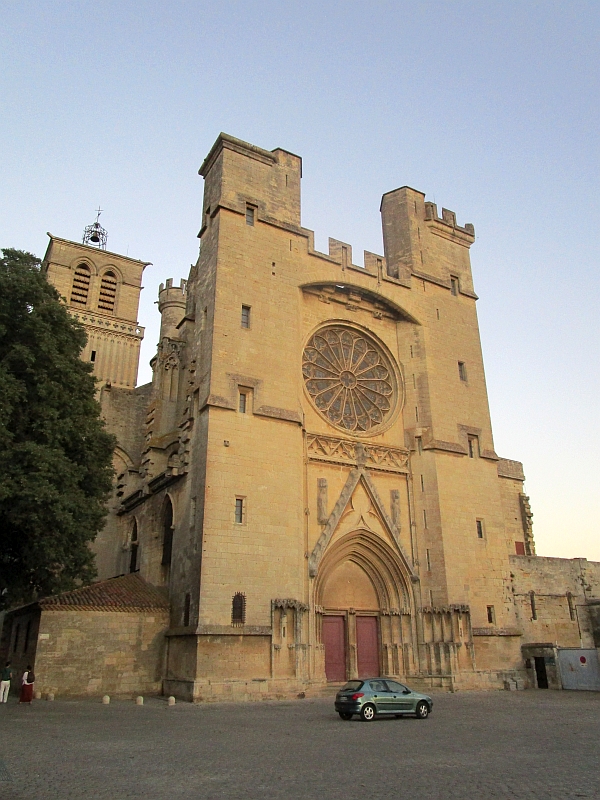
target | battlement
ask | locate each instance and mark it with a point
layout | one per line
(173, 291)
(448, 218)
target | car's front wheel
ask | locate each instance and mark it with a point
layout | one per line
(422, 710)
(367, 713)
(344, 715)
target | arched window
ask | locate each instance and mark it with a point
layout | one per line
(134, 546)
(81, 285)
(238, 609)
(108, 292)
(167, 533)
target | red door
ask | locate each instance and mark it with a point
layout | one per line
(334, 639)
(367, 647)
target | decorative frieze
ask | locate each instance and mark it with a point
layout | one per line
(344, 451)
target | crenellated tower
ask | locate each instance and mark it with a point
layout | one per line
(164, 411)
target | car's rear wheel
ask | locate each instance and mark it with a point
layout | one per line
(345, 715)
(367, 713)
(422, 710)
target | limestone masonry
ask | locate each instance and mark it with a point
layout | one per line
(310, 478)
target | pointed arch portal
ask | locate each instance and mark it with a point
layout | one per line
(366, 604)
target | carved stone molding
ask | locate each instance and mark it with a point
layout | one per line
(335, 450)
(297, 605)
(358, 474)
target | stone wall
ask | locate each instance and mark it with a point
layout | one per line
(93, 653)
(557, 612)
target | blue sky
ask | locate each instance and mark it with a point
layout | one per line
(490, 108)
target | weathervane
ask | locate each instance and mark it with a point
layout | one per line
(95, 234)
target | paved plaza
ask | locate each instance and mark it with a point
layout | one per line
(531, 744)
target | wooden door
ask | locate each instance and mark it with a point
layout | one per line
(367, 647)
(334, 639)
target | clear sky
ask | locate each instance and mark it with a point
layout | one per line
(490, 108)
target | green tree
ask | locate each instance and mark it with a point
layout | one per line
(55, 454)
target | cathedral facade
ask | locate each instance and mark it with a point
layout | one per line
(311, 477)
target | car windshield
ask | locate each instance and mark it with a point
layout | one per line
(352, 686)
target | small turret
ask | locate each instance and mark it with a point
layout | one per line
(171, 304)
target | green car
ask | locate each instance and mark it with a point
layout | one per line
(378, 697)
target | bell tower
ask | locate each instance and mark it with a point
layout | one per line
(102, 291)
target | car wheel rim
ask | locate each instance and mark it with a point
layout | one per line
(369, 713)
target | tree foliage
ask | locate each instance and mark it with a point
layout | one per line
(55, 454)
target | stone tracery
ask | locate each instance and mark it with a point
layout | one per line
(349, 378)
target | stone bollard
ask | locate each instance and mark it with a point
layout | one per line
(139, 701)
(171, 701)
(38, 695)
(50, 696)
(105, 700)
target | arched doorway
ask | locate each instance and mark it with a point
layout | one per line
(366, 623)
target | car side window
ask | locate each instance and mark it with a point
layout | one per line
(395, 687)
(378, 686)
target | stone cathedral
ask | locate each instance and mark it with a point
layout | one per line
(308, 489)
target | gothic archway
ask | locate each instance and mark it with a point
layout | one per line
(365, 609)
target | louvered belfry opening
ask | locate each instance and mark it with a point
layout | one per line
(81, 285)
(108, 292)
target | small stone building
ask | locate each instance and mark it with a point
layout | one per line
(310, 476)
(105, 638)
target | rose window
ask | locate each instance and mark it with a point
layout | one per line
(349, 379)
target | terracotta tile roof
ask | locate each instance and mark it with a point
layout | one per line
(125, 593)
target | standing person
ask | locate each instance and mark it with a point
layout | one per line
(27, 686)
(5, 679)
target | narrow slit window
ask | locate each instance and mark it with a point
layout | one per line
(422, 484)
(571, 603)
(419, 443)
(533, 606)
(473, 443)
(186, 610)
(479, 524)
(424, 518)
(239, 510)
(245, 316)
(93, 356)
(416, 413)
(108, 292)
(454, 285)
(250, 215)
(491, 615)
(242, 403)
(428, 559)
(81, 285)
(462, 370)
(238, 609)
